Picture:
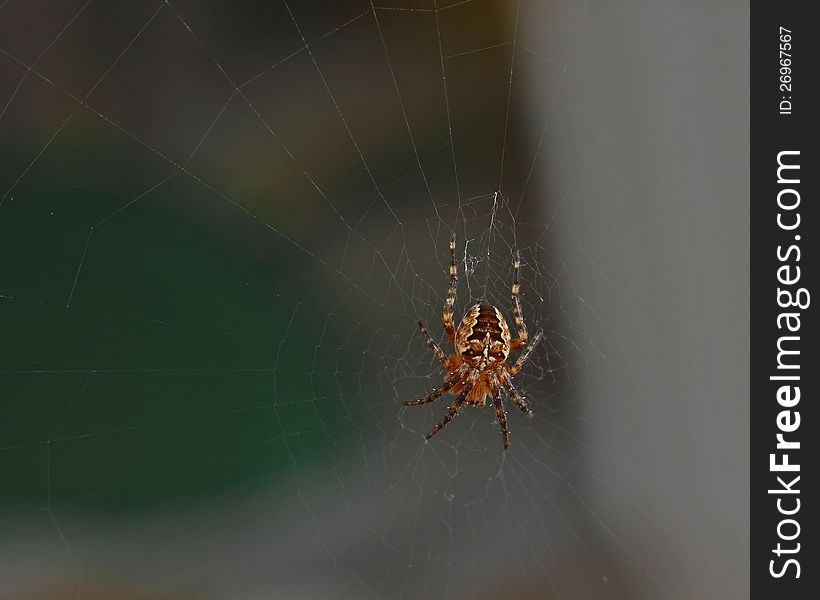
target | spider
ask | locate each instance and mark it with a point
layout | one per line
(482, 344)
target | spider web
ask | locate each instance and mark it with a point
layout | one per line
(220, 224)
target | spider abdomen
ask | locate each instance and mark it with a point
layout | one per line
(483, 337)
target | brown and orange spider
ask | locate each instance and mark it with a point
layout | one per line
(482, 343)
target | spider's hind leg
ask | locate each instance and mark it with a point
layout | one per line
(520, 326)
(434, 348)
(449, 327)
(525, 354)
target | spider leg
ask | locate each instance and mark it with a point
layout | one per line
(500, 411)
(451, 412)
(435, 348)
(439, 391)
(525, 354)
(515, 395)
(449, 328)
(520, 326)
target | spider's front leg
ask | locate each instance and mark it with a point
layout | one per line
(453, 409)
(515, 395)
(439, 391)
(500, 411)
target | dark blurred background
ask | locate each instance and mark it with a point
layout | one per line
(220, 222)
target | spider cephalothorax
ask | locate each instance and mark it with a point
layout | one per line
(482, 344)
